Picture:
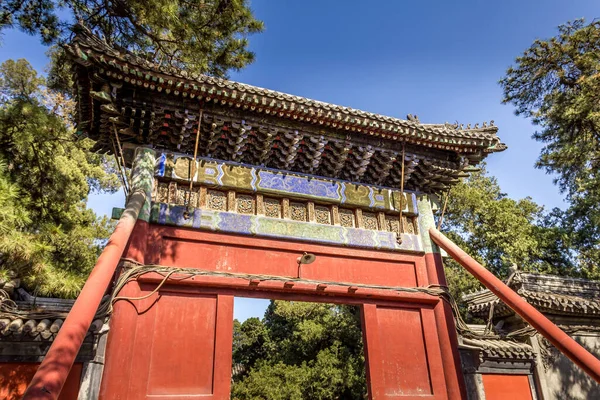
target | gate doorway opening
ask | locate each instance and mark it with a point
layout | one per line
(299, 350)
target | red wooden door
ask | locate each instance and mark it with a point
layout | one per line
(182, 348)
(403, 353)
(500, 387)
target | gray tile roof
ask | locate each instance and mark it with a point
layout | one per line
(87, 49)
(548, 293)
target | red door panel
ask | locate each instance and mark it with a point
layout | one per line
(403, 353)
(501, 387)
(182, 348)
(177, 333)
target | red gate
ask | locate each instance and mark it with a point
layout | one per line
(176, 343)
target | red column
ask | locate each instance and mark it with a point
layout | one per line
(447, 332)
(444, 318)
(563, 342)
(52, 373)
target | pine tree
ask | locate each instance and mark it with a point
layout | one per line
(205, 36)
(47, 235)
(501, 232)
(556, 83)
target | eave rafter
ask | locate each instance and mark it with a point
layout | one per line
(152, 105)
(112, 65)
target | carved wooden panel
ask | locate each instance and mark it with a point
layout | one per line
(246, 204)
(272, 207)
(162, 193)
(347, 218)
(322, 215)
(217, 200)
(279, 207)
(299, 211)
(370, 221)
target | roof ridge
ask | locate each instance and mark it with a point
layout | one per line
(85, 38)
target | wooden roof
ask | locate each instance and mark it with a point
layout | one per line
(158, 105)
(549, 294)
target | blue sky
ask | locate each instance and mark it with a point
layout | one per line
(439, 59)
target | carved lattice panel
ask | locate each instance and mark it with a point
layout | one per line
(272, 208)
(246, 204)
(322, 215)
(347, 218)
(217, 200)
(298, 211)
(370, 221)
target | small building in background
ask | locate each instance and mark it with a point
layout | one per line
(520, 355)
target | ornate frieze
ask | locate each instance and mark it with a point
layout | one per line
(259, 225)
(246, 204)
(272, 207)
(185, 196)
(272, 182)
(370, 220)
(299, 211)
(392, 223)
(217, 200)
(323, 215)
(162, 193)
(282, 208)
(346, 218)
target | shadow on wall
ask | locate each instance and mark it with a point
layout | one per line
(573, 383)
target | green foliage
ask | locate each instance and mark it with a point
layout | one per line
(499, 231)
(300, 351)
(556, 83)
(47, 235)
(208, 36)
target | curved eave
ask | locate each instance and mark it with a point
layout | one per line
(89, 51)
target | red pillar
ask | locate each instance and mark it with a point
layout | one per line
(444, 318)
(50, 377)
(447, 328)
(563, 342)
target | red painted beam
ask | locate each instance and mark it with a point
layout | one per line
(332, 293)
(563, 342)
(53, 371)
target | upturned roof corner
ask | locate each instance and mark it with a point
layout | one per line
(548, 293)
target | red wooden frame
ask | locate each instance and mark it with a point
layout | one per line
(412, 327)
